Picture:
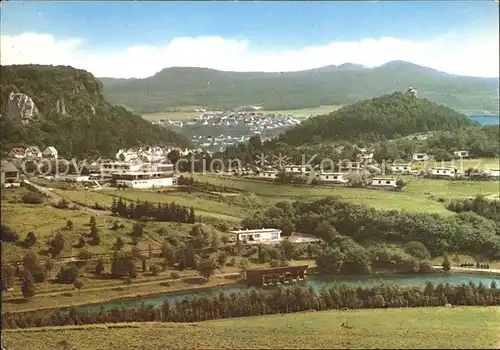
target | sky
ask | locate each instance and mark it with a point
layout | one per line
(137, 38)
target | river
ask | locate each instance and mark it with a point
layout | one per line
(315, 281)
(486, 119)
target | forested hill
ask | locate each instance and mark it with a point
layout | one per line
(64, 107)
(384, 117)
(332, 85)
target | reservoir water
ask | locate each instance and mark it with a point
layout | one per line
(486, 119)
(315, 281)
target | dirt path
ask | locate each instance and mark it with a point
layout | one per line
(55, 198)
(475, 269)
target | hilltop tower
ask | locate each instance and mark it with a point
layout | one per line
(412, 92)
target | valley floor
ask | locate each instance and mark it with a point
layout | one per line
(460, 327)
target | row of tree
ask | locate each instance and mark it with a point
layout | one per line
(264, 302)
(165, 212)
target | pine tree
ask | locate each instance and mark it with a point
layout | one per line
(27, 284)
(446, 264)
(192, 217)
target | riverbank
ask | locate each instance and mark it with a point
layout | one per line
(472, 270)
(143, 290)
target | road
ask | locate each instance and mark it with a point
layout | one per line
(470, 269)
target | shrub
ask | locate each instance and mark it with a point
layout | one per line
(68, 274)
(62, 204)
(32, 198)
(30, 240)
(155, 270)
(174, 275)
(8, 235)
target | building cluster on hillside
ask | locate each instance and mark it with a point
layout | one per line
(253, 122)
(138, 167)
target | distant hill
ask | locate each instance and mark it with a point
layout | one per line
(385, 117)
(343, 84)
(64, 107)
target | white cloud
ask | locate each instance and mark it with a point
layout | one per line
(474, 55)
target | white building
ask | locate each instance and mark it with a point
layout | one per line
(33, 152)
(269, 174)
(144, 179)
(263, 235)
(110, 168)
(126, 155)
(495, 173)
(384, 182)
(420, 157)
(365, 154)
(297, 169)
(333, 178)
(444, 172)
(461, 154)
(401, 168)
(50, 152)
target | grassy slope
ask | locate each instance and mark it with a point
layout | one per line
(45, 220)
(415, 198)
(462, 327)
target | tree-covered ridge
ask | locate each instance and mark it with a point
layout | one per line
(344, 84)
(385, 117)
(73, 114)
(330, 217)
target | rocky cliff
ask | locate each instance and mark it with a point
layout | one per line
(65, 107)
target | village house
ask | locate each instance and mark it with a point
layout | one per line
(297, 169)
(269, 174)
(110, 168)
(389, 182)
(264, 235)
(17, 153)
(420, 157)
(50, 152)
(350, 166)
(495, 173)
(365, 154)
(461, 154)
(126, 155)
(33, 152)
(449, 172)
(401, 168)
(333, 178)
(10, 176)
(144, 179)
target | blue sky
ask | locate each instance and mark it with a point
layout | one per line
(269, 32)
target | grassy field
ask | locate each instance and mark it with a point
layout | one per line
(187, 114)
(480, 163)
(461, 327)
(204, 204)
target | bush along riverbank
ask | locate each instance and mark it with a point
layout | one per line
(260, 302)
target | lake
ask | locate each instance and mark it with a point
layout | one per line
(486, 119)
(315, 281)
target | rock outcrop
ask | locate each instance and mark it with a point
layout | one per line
(61, 107)
(22, 107)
